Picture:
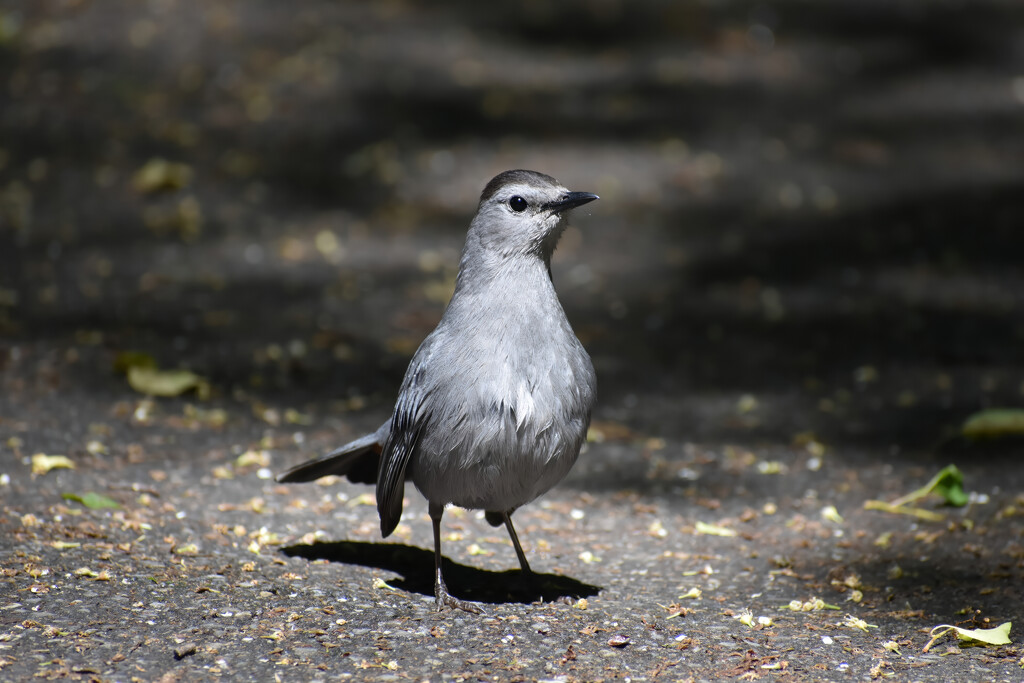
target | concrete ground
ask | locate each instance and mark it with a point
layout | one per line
(802, 278)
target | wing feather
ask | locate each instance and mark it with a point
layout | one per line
(407, 425)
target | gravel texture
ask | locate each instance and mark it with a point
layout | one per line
(802, 277)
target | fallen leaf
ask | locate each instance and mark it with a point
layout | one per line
(64, 545)
(830, 513)
(994, 423)
(251, 457)
(920, 513)
(948, 483)
(712, 530)
(167, 383)
(159, 174)
(42, 463)
(93, 500)
(1000, 635)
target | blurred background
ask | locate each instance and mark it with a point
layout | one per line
(811, 215)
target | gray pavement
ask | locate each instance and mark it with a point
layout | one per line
(802, 277)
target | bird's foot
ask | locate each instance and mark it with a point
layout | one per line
(444, 598)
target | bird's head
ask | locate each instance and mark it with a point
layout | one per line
(523, 212)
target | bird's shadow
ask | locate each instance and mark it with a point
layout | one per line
(416, 569)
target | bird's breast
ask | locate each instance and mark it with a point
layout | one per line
(508, 422)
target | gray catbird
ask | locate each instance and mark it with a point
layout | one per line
(496, 402)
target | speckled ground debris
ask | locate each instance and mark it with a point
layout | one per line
(802, 278)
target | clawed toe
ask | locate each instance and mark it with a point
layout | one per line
(444, 598)
(455, 603)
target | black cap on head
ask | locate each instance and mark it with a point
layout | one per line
(517, 176)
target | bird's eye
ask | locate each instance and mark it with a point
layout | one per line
(517, 204)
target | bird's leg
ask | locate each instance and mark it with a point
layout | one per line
(523, 564)
(440, 590)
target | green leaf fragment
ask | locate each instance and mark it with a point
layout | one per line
(93, 500)
(1000, 635)
(994, 423)
(948, 483)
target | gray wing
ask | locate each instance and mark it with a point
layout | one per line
(407, 425)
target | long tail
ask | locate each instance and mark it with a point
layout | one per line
(357, 461)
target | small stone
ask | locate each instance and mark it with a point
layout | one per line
(185, 650)
(618, 640)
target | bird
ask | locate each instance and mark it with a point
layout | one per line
(496, 402)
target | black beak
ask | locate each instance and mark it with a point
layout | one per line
(570, 200)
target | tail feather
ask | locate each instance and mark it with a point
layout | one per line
(357, 461)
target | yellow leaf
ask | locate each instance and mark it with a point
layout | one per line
(253, 457)
(154, 382)
(712, 530)
(221, 472)
(920, 513)
(42, 463)
(363, 499)
(64, 545)
(1000, 635)
(160, 174)
(830, 513)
